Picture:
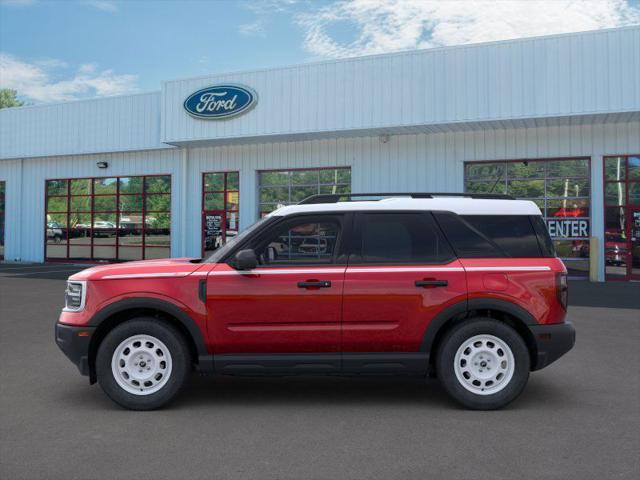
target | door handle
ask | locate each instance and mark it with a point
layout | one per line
(431, 283)
(315, 284)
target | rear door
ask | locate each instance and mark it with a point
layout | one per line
(401, 274)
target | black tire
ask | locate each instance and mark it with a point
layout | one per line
(180, 360)
(464, 331)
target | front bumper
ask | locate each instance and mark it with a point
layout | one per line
(74, 343)
(552, 341)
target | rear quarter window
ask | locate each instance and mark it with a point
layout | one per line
(490, 236)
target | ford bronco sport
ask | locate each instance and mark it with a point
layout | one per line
(463, 287)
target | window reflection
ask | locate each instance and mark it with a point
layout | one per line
(301, 244)
(221, 202)
(108, 218)
(560, 188)
(278, 188)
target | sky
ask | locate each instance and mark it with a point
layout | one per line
(59, 50)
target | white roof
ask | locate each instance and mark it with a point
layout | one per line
(461, 206)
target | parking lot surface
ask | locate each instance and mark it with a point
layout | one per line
(579, 418)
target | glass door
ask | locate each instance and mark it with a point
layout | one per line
(220, 207)
(622, 217)
(634, 247)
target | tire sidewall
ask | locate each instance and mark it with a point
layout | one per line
(174, 341)
(461, 333)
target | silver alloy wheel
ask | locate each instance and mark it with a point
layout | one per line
(484, 364)
(141, 364)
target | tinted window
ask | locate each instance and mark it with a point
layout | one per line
(467, 242)
(303, 241)
(514, 234)
(544, 240)
(476, 236)
(402, 238)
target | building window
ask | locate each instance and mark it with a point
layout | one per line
(560, 187)
(220, 209)
(622, 217)
(277, 188)
(2, 210)
(108, 219)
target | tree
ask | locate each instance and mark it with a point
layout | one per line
(8, 98)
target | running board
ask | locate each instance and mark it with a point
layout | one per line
(257, 364)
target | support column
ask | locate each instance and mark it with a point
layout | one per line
(248, 197)
(184, 201)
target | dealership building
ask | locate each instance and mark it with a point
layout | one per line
(176, 172)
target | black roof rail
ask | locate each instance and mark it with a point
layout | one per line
(335, 197)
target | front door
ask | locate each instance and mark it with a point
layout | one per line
(291, 303)
(401, 275)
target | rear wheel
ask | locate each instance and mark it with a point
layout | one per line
(143, 363)
(483, 363)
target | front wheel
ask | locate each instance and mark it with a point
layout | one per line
(483, 364)
(143, 363)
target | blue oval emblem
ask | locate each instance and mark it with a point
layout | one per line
(220, 101)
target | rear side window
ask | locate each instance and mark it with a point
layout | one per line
(467, 242)
(514, 234)
(490, 236)
(544, 239)
(402, 238)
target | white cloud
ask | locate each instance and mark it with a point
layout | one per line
(36, 81)
(269, 6)
(252, 29)
(390, 25)
(104, 5)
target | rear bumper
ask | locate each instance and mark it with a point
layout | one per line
(552, 341)
(74, 343)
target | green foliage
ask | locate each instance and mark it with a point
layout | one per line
(8, 98)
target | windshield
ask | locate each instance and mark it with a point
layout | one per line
(218, 254)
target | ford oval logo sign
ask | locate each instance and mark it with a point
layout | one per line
(220, 101)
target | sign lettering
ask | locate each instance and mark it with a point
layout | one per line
(220, 102)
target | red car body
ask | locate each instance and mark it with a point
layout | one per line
(251, 313)
(374, 318)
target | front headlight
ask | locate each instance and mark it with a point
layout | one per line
(75, 295)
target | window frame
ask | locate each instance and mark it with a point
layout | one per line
(627, 207)
(92, 195)
(225, 210)
(289, 185)
(545, 178)
(341, 251)
(355, 244)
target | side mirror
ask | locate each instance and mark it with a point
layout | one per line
(246, 260)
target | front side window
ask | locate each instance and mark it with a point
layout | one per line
(110, 219)
(277, 188)
(401, 238)
(304, 241)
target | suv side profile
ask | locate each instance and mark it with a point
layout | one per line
(464, 287)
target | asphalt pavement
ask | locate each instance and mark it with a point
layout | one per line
(578, 418)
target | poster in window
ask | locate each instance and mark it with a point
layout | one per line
(213, 232)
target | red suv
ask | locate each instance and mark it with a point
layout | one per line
(463, 287)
